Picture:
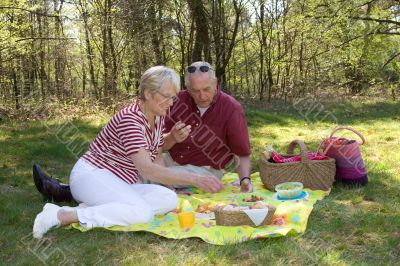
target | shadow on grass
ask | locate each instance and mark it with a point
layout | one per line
(354, 112)
(345, 113)
(55, 146)
(261, 118)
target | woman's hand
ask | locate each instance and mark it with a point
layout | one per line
(180, 131)
(209, 184)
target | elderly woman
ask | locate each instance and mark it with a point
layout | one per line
(107, 179)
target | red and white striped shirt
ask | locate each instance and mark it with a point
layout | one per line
(125, 133)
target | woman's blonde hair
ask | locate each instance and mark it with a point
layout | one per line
(156, 78)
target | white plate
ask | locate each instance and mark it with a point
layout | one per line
(275, 197)
(205, 216)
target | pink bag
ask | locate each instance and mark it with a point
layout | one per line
(350, 167)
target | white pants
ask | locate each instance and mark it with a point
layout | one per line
(112, 201)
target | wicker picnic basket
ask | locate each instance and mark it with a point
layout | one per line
(314, 174)
(235, 218)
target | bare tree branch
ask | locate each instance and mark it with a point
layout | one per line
(391, 59)
(388, 21)
(43, 38)
(33, 12)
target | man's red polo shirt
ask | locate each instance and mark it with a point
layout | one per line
(215, 137)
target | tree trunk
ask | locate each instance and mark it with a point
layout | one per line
(83, 77)
(114, 69)
(246, 63)
(42, 70)
(155, 30)
(189, 51)
(182, 39)
(104, 55)
(15, 87)
(202, 40)
(262, 48)
(88, 47)
(59, 64)
(224, 43)
(3, 88)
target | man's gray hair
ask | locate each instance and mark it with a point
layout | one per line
(198, 64)
(156, 78)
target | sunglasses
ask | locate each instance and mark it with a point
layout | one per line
(204, 68)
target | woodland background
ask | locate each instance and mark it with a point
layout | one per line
(261, 50)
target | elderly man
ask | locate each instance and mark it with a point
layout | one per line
(207, 128)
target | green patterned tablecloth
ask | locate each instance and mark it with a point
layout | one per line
(290, 217)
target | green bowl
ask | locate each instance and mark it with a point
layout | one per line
(289, 189)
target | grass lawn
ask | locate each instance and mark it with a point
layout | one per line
(349, 227)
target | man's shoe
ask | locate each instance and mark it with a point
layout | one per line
(50, 188)
(57, 191)
(38, 177)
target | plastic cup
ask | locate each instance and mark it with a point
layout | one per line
(186, 219)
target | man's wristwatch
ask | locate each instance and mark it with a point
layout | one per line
(244, 178)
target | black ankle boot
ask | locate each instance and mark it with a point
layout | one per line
(50, 188)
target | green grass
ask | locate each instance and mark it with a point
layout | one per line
(350, 227)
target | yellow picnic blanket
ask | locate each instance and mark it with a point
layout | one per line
(290, 217)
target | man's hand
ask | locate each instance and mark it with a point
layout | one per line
(246, 186)
(209, 184)
(243, 170)
(180, 131)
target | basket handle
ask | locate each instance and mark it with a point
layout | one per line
(352, 130)
(303, 149)
(331, 137)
